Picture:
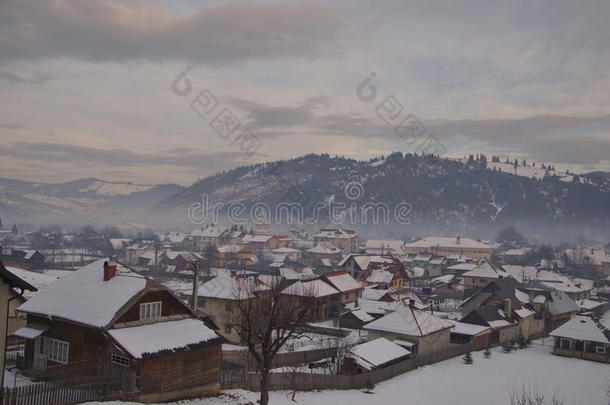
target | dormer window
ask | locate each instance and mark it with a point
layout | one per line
(150, 310)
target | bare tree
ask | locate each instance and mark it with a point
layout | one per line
(266, 319)
(339, 348)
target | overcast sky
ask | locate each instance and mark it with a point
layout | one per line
(86, 86)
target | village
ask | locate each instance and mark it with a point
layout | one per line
(226, 311)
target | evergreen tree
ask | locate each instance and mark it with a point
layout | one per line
(467, 359)
(487, 353)
(507, 347)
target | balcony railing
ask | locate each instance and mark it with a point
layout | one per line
(604, 358)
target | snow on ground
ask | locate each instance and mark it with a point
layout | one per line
(487, 381)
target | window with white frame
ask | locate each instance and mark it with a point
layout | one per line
(55, 349)
(150, 310)
(120, 360)
(600, 349)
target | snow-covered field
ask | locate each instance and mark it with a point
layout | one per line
(487, 381)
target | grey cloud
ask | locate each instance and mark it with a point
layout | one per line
(560, 139)
(75, 154)
(12, 77)
(215, 34)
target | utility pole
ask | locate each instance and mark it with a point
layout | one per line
(195, 267)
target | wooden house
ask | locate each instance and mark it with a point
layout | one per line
(105, 319)
(428, 333)
(582, 338)
(11, 286)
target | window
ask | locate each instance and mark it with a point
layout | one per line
(565, 343)
(150, 310)
(120, 360)
(600, 349)
(56, 350)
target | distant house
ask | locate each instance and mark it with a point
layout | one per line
(105, 319)
(582, 338)
(269, 242)
(381, 247)
(450, 246)
(555, 307)
(481, 275)
(179, 261)
(447, 286)
(362, 266)
(373, 355)
(350, 290)
(322, 299)
(505, 306)
(427, 332)
(27, 258)
(324, 250)
(346, 240)
(211, 235)
(238, 255)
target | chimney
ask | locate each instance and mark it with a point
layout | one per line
(457, 240)
(109, 271)
(508, 308)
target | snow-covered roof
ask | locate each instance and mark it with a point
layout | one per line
(416, 272)
(324, 248)
(362, 315)
(229, 249)
(256, 238)
(38, 280)
(588, 305)
(447, 242)
(118, 243)
(462, 267)
(372, 293)
(521, 273)
(170, 336)
(380, 276)
(483, 270)
(85, 297)
(294, 274)
(310, 288)
(469, 329)
(438, 281)
(581, 328)
(377, 353)
(224, 286)
(335, 233)
(411, 322)
(342, 281)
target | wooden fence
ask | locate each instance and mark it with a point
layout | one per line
(68, 392)
(244, 359)
(308, 381)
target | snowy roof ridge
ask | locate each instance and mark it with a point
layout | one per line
(84, 297)
(581, 328)
(146, 341)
